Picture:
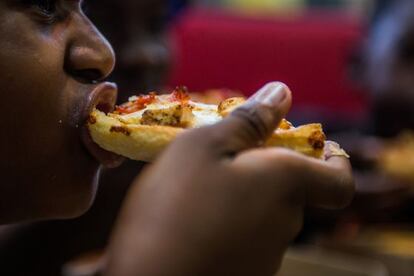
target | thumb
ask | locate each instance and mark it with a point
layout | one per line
(252, 123)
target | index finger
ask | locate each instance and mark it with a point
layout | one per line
(330, 183)
(323, 183)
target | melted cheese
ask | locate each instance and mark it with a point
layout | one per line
(166, 113)
(205, 114)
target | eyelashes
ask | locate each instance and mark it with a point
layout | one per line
(51, 11)
(45, 11)
(47, 7)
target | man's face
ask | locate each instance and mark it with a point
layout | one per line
(51, 58)
(136, 31)
(390, 57)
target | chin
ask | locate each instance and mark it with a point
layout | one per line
(79, 205)
(72, 191)
(81, 200)
(64, 198)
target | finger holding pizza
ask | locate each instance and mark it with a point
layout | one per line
(216, 202)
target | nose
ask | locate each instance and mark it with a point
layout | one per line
(89, 55)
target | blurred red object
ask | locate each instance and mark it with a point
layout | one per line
(310, 52)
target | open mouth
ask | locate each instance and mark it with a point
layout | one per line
(103, 98)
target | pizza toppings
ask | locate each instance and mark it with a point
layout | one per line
(180, 94)
(317, 140)
(175, 115)
(135, 104)
(204, 115)
(229, 105)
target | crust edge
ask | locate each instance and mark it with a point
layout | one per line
(137, 142)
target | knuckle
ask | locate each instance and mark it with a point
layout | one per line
(253, 122)
(213, 137)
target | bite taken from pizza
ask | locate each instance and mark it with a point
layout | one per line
(143, 127)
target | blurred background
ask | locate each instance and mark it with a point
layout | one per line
(350, 65)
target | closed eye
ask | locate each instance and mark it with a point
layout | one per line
(47, 7)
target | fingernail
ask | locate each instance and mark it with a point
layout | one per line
(271, 94)
(334, 149)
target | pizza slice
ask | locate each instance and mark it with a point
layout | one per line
(141, 128)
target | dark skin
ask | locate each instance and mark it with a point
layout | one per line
(46, 77)
(52, 168)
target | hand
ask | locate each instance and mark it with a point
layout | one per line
(217, 204)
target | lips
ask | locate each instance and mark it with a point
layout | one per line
(103, 98)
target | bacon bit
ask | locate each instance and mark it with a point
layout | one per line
(317, 140)
(180, 94)
(120, 129)
(138, 104)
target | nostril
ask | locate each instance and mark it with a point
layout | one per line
(87, 75)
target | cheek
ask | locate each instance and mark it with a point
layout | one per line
(43, 144)
(32, 82)
(32, 107)
(40, 144)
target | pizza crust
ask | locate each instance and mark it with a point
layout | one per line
(137, 142)
(306, 139)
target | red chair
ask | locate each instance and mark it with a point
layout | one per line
(310, 52)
